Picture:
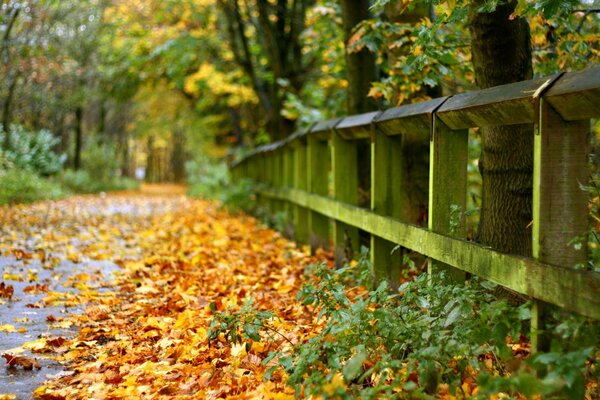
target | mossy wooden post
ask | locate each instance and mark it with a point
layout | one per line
(301, 183)
(345, 189)
(386, 199)
(561, 151)
(318, 183)
(447, 187)
(277, 176)
(288, 182)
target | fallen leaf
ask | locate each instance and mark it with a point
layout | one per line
(27, 363)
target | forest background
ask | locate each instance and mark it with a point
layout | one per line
(95, 92)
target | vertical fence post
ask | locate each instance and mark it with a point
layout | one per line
(345, 189)
(560, 160)
(277, 176)
(301, 183)
(447, 187)
(318, 183)
(288, 182)
(386, 199)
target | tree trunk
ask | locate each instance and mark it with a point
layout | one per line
(178, 156)
(501, 52)
(360, 66)
(78, 137)
(7, 111)
(415, 162)
(150, 161)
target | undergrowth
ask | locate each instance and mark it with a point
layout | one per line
(425, 340)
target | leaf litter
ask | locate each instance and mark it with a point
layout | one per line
(145, 334)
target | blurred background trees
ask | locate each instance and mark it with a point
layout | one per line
(148, 86)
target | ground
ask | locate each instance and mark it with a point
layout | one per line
(111, 296)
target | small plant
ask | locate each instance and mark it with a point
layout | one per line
(243, 326)
(418, 342)
(32, 151)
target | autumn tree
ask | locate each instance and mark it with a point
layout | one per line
(265, 39)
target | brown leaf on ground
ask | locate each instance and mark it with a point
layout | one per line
(6, 291)
(27, 363)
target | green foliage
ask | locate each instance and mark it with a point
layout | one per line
(25, 186)
(404, 345)
(211, 180)
(240, 326)
(436, 332)
(32, 151)
(82, 182)
(436, 52)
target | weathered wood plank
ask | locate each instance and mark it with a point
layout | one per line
(387, 200)
(345, 189)
(318, 183)
(288, 182)
(561, 150)
(500, 105)
(447, 186)
(356, 126)
(301, 183)
(322, 130)
(575, 290)
(576, 95)
(412, 121)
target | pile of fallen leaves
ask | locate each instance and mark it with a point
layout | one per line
(182, 260)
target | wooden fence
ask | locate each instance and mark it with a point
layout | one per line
(312, 175)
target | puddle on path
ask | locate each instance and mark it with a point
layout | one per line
(20, 314)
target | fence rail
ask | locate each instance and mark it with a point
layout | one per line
(293, 175)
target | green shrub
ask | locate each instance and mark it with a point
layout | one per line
(32, 151)
(99, 160)
(381, 344)
(23, 186)
(82, 182)
(211, 180)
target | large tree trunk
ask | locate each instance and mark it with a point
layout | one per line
(415, 162)
(360, 66)
(501, 51)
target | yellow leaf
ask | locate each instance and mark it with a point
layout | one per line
(7, 328)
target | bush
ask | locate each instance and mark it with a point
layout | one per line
(33, 151)
(82, 182)
(23, 186)
(212, 181)
(99, 160)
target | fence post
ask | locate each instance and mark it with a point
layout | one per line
(318, 183)
(560, 162)
(345, 189)
(447, 187)
(288, 182)
(301, 183)
(386, 199)
(277, 176)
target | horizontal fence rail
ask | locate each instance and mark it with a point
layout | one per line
(293, 176)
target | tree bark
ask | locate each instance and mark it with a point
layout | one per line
(78, 137)
(178, 156)
(7, 110)
(501, 52)
(360, 66)
(415, 162)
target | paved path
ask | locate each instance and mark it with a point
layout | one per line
(45, 249)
